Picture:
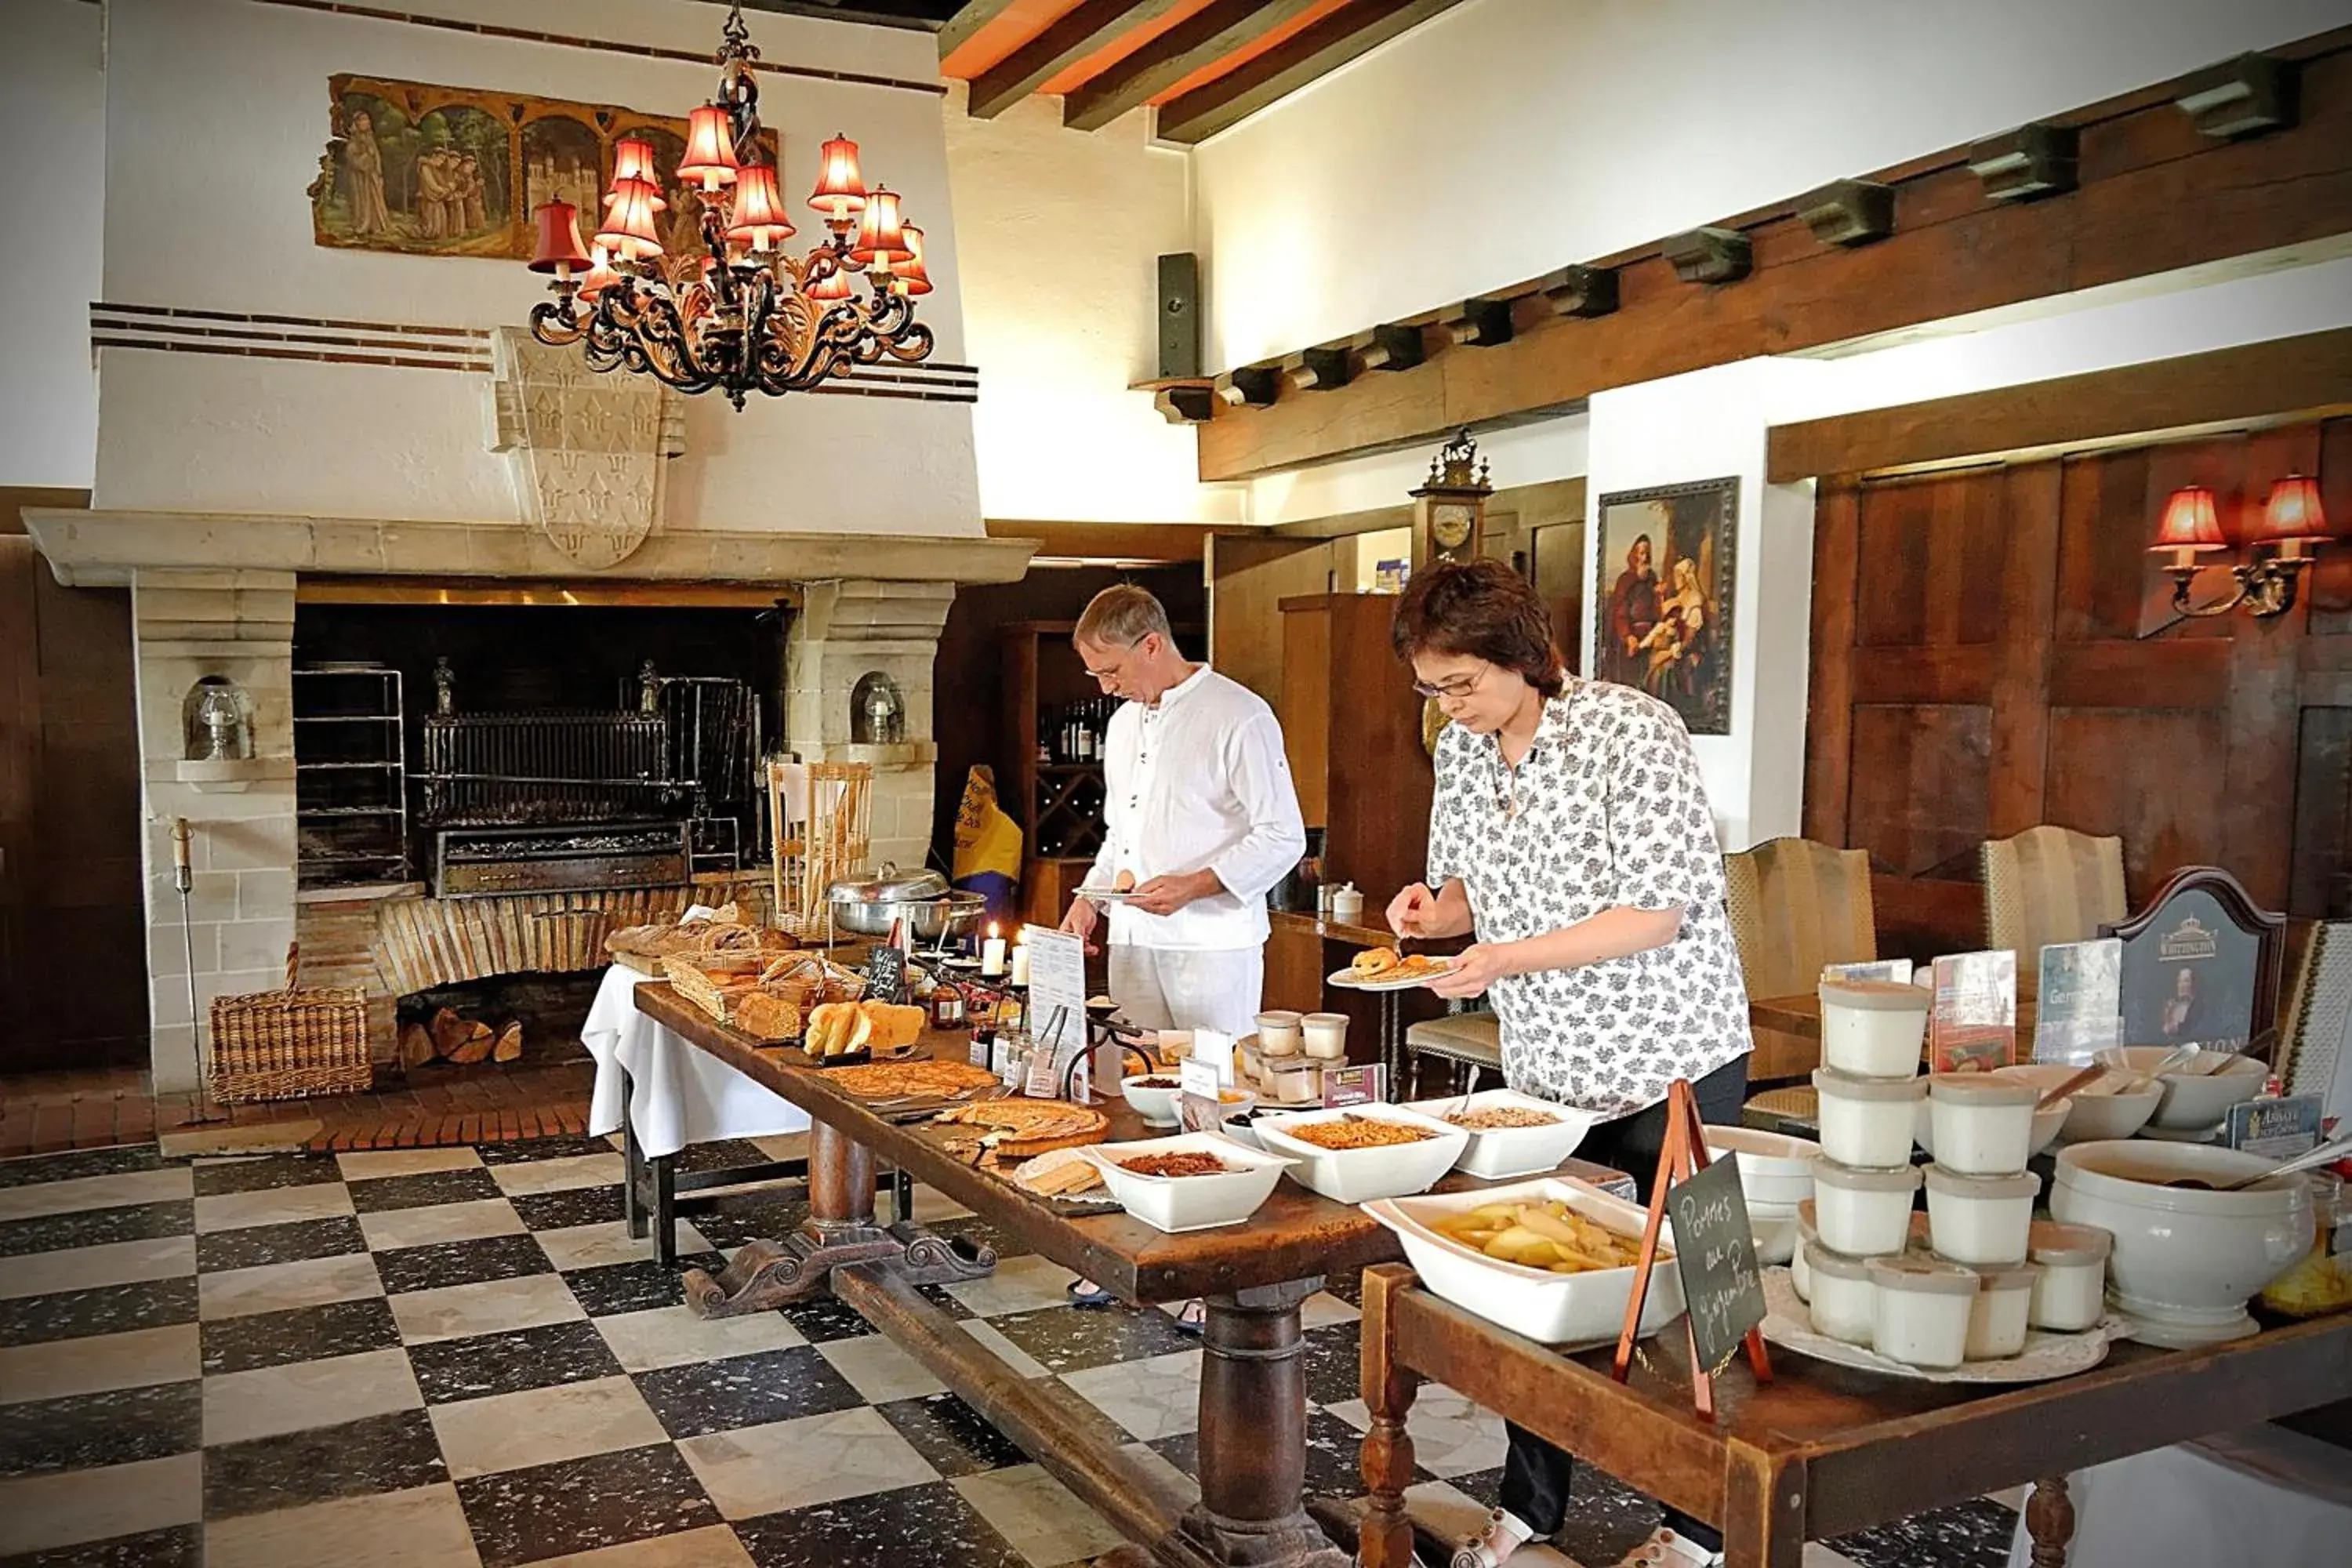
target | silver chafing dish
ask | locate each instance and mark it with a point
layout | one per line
(868, 906)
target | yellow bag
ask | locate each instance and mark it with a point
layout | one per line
(987, 845)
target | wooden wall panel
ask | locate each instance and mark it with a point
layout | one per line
(1992, 648)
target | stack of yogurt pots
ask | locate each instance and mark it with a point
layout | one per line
(1969, 1294)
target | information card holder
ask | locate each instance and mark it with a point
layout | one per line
(1684, 1156)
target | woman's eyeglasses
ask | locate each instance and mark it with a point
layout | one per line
(1460, 686)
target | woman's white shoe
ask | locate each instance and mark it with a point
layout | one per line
(1503, 1535)
(1664, 1549)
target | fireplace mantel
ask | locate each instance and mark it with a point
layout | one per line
(88, 548)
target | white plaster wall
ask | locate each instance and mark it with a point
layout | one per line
(1506, 137)
(53, 114)
(1058, 234)
(216, 114)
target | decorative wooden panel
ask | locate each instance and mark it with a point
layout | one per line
(1991, 649)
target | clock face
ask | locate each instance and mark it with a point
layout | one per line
(1450, 523)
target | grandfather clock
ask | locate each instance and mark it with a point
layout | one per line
(1449, 508)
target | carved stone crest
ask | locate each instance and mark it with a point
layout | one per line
(589, 450)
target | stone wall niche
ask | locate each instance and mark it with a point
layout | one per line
(851, 631)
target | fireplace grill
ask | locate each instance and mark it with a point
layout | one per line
(476, 862)
(510, 770)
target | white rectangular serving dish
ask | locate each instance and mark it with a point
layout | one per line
(1190, 1203)
(1359, 1175)
(1552, 1309)
(1512, 1150)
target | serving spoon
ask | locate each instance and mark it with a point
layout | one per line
(2327, 1153)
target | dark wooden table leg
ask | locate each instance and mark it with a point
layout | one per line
(1252, 1439)
(1385, 1540)
(764, 1274)
(1763, 1509)
(2050, 1520)
(840, 1174)
(633, 1166)
(663, 1169)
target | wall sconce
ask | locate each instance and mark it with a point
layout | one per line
(2293, 526)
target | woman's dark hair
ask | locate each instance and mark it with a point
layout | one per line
(1481, 609)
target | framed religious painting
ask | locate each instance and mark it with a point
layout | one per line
(1662, 597)
(2200, 965)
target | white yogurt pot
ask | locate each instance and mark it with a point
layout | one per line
(1921, 1308)
(1982, 1125)
(1873, 1028)
(1866, 1120)
(2071, 1292)
(1982, 1221)
(1860, 1213)
(1325, 1036)
(2185, 1259)
(2003, 1307)
(1843, 1303)
(1277, 1033)
(1800, 1275)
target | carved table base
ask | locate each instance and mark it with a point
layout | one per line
(764, 1274)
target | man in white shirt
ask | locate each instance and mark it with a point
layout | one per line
(1200, 812)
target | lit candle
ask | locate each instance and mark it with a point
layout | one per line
(992, 954)
(1020, 966)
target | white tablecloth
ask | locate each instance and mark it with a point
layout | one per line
(678, 1095)
(2263, 1496)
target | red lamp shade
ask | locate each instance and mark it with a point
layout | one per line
(709, 148)
(599, 277)
(559, 249)
(2293, 512)
(629, 231)
(833, 286)
(908, 277)
(881, 241)
(840, 191)
(759, 217)
(633, 160)
(2189, 522)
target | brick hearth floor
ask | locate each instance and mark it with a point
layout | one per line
(435, 1107)
(457, 1358)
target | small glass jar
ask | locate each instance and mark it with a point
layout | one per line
(1294, 1080)
(1982, 1126)
(1867, 1121)
(1863, 1213)
(1921, 1309)
(2071, 1292)
(1843, 1302)
(2322, 1283)
(2003, 1307)
(1983, 1221)
(1873, 1028)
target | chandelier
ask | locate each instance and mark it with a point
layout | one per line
(735, 313)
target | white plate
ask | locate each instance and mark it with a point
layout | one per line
(1175, 1204)
(1107, 895)
(1552, 1309)
(1347, 981)
(1788, 1323)
(1359, 1175)
(1499, 1151)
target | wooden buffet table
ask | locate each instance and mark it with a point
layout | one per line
(1254, 1276)
(1822, 1450)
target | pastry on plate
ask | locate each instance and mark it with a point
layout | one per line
(1374, 963)
(1123, 883)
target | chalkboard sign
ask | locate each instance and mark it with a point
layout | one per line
(886, 974)
(1714, 1253)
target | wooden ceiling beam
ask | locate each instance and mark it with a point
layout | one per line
(1094, 26)
(965, 25)
(1314, 51)
(1198, 40)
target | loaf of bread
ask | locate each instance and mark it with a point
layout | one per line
(765, 1017)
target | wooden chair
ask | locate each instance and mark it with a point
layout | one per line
(2316, 1028)
(1471, 1042)
(1795, 907)
(2050, 885)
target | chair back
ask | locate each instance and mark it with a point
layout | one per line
(2050, 885)
(2316, 1028)
(1796, 906)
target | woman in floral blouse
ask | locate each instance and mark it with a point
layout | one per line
(1571, 835)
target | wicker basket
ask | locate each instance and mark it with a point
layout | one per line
(286, 1045)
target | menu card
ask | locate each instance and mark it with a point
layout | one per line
(1351, 1086)
(1057, 1007)
(1200, 1106)
(2275, 1129)
(1972, 1027)
(2080, 1011)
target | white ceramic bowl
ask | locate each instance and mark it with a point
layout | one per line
(2198, 1099)
(2114, 1106)
(2046, 1125)
(1190, 1203)
(2185, 1260)
(1554, 1309)
(1773, 1227)
(1359, 1175)
(1513, 1150)
(1156, 1106)
(1774, 1168)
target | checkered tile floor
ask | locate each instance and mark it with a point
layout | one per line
(456, 1356)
